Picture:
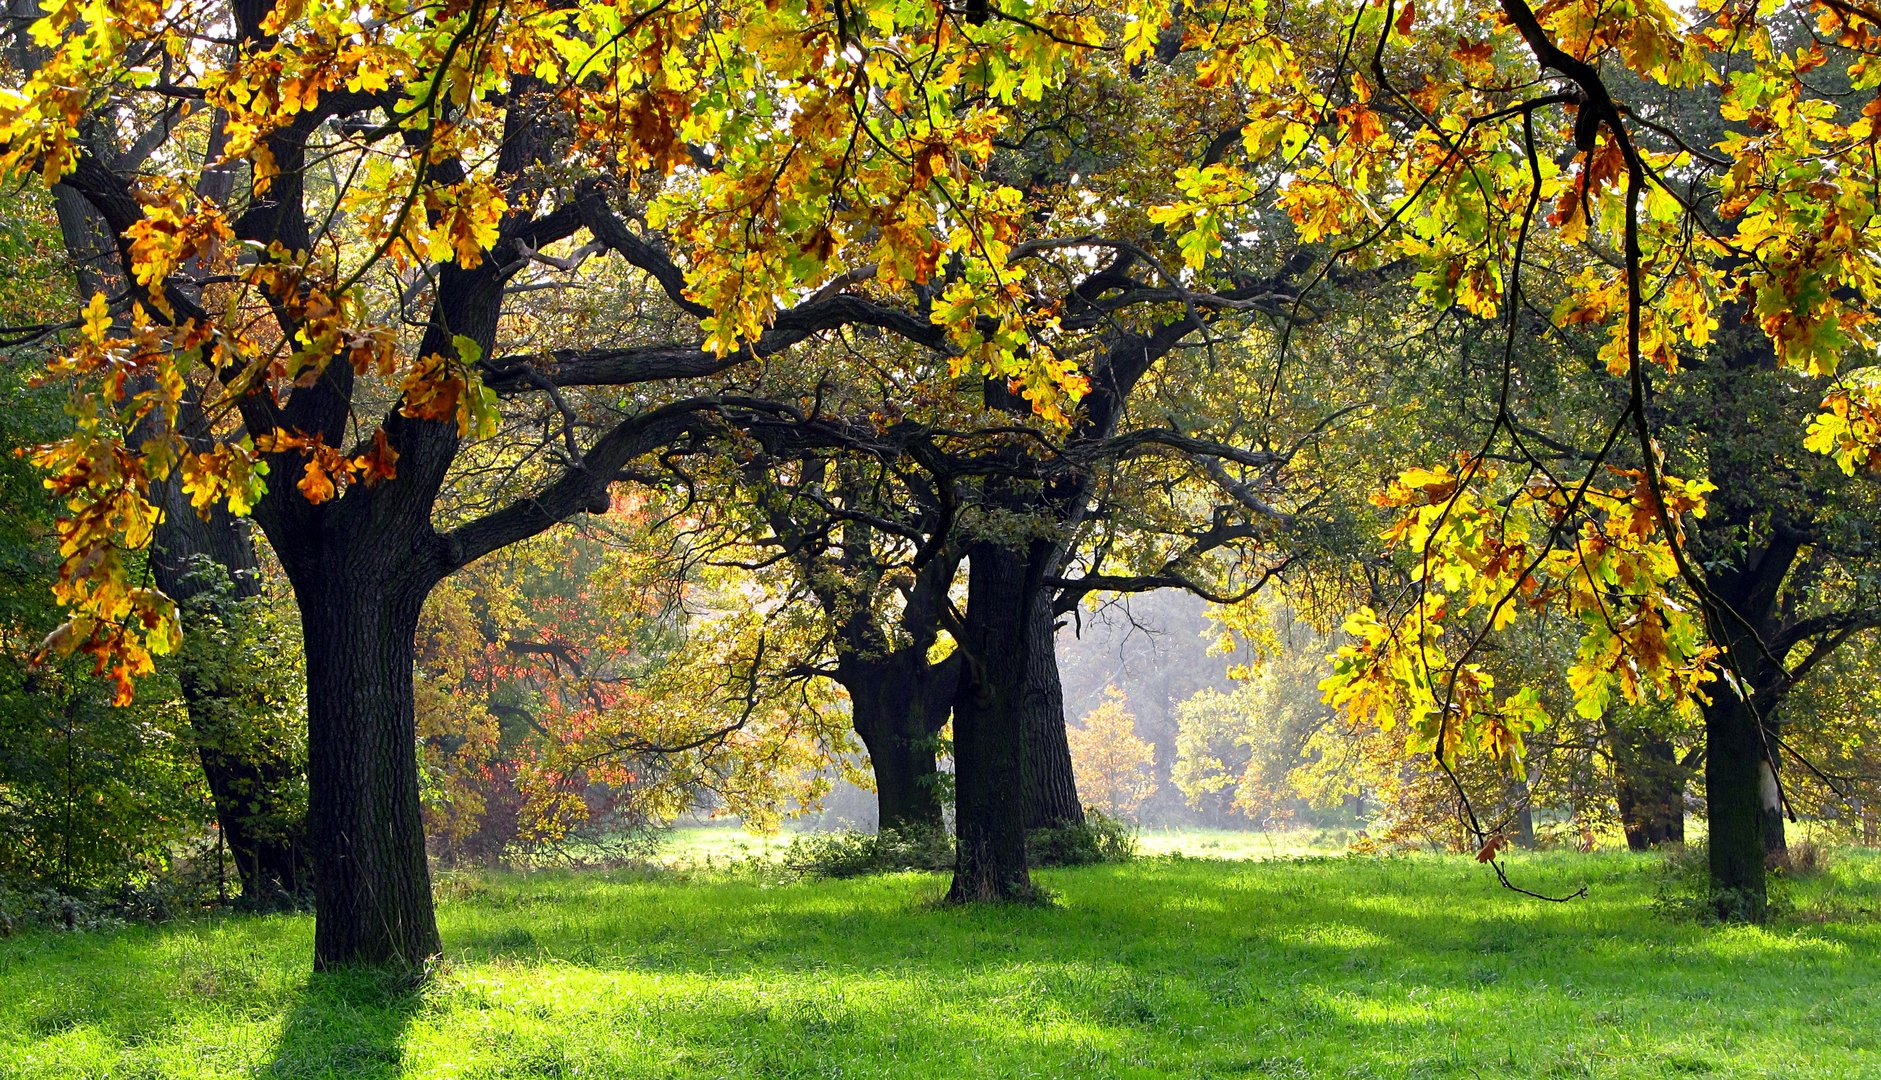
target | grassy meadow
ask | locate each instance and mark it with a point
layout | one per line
(709, 846)
(1414, 966)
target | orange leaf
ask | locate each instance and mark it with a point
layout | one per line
(379, 463)
(315, 485)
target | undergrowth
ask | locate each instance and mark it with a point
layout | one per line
(1099, 839)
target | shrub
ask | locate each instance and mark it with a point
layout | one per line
(1684, 887)
(853, 854)
(1100, 839)
(1685, 883)
(1805, 859)
(49, 908)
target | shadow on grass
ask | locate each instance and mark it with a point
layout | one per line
(1437, 922)
(1311, 968)
(1359, 967)
(347, 1023)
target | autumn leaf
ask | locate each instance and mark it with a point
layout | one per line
(379, 463)
(315, 484)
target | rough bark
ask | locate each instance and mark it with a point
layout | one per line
(373, 895)
(1051, 790)
(898, 706)
(989, 732)
(1734, 808)
(1741, 799)
(1649, 784)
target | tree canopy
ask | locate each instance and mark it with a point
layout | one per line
(1078, 296)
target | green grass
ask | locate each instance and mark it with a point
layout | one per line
(722, 845)
(1336, 967)
(1243, 844)
(706, 846)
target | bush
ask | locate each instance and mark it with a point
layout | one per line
(853, 854)
(1803, 859)
(1100, 839)
(1684, 888)
(1685, 884)
(185, 882)
(1686, 864)
(51, 909)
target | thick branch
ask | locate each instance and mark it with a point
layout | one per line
(583, 488)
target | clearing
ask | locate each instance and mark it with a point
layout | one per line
(1315, 967)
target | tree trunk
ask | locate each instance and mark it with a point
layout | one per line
(1649, 785)
(250, 780)
(1776, 848)
(209, 568)
(1522, 814)
(372, 885)
(989, 729)
(1051, 789)
(248, 777)
(897, 709)
(1734, 808)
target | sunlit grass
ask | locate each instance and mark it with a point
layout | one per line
(717, 844)
(1234, 844)
(1329, 967)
